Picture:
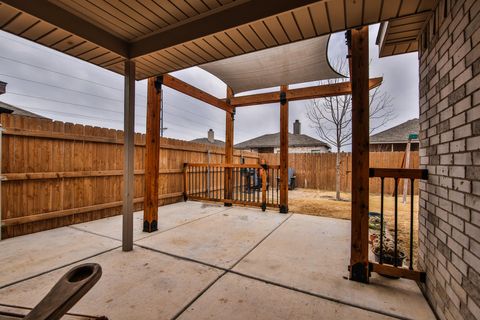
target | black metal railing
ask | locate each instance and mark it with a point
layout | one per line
(409, 176)
(245, 184)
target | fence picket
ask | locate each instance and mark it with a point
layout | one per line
(74, 172)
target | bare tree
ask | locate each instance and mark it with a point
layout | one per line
(332, 117)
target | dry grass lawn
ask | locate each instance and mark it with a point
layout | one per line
(323, 203)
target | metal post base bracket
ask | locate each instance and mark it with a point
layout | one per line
(359, 272)
(283, 209)
(150, 227)
(227, 204)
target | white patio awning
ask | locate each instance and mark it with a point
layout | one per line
(297, 62)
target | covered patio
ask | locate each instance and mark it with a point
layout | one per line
(193, 260)
(205, 261)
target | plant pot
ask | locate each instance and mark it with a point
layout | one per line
(390, 259)
(374, 223)
(374, 214)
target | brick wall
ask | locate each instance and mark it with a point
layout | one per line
(450, 150)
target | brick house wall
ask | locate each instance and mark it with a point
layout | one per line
(449, 236)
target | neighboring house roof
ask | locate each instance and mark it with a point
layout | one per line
(11, 109)
(217, 143)
(397, 134)
(273, 141)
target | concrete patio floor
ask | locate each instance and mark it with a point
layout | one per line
(207, 262)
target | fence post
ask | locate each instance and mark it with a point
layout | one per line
(185, 181)
(208, 173)
(264, 187)
(1, 179)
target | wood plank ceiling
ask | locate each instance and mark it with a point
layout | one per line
(133, 21)
(399, 36)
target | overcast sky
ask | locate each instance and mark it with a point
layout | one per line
(63, 88)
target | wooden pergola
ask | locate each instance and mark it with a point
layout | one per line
(150, 39)
(358, 86)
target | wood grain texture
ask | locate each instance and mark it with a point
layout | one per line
(194, 92)
(284, 152)
(317, 171)
(397, 272)
(359, 75)
(321, 91)
(152, 154)
(229, 138)
(53, 180)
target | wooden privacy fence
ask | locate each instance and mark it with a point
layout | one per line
(317, 171)
(57, 174)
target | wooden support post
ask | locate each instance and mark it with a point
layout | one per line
(283, 149)
(357, 40)
(152, 155)
(229, 128)
(129, 148)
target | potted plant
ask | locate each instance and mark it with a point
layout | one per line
(374, 226)
(388, 251)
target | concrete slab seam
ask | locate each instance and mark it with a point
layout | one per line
(94, 233)
(179, 313)
(321, 296)
(185, 223)
(262, 240)
(59, 267)
(153, 234)
(68, 313)
(227, 270)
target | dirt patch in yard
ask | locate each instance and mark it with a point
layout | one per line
(323, 203)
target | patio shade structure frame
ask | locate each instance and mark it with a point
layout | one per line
(127, 42)
(283, 96)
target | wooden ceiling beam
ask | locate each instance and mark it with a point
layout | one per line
(322, 91)
(226, 17)
(194, 92)
(61, 18)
